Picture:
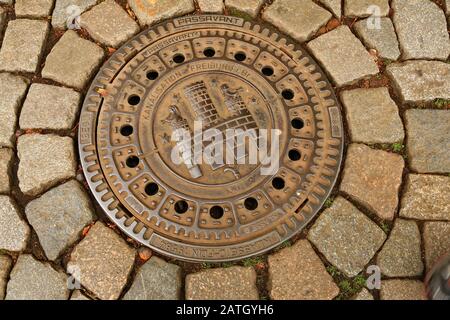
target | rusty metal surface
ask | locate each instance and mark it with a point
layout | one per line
(227, 73)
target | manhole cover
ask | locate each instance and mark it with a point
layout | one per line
(209, 77)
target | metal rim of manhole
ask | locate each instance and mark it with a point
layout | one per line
(228, 75)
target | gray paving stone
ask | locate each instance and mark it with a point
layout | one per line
(33, 8)
(14, 232)
(34, 280)
(211, 6)
(59, 216)
(372, 116)
(422, 29)
(5, 267)
(300, 19)
(12, 92)
(78, 295)
(426, 197)
(151, 12)
(343, 56)
(401, 255)
(234, 283)
(384, 40)
(402, 290)
(346, 237)
(109, 24)
(66, 10)
(156, 280)
(420, 81)
(364, 294)
(428, 140)
(373, 178)
(73, 61)
(335, 6)
(49, 107)
(363, 8)
(436, 237)
(249, 7)
(102, 262)
(297, 273)
(45, 160)
(6, 156)
(22, 45)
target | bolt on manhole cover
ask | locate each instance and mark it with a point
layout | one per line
(210, 139)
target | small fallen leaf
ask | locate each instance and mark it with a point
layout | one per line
(102, 92)
(333, 24)
(145, 253)
(321, 31)
(86, 230)
(111, 225)
(260, 266)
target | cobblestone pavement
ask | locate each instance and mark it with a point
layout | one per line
(391, 207)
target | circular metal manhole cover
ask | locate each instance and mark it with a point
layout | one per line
(205, 76)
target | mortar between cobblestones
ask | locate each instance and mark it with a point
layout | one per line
(402, 109)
